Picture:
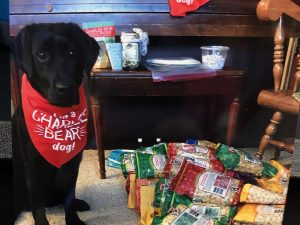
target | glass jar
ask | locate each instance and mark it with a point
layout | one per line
(131, 56)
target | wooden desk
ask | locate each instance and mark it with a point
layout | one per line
(226, 18)
(105, 83)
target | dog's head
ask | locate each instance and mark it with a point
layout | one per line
(55, 57)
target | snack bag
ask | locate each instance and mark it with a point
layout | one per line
(165, 198)
(115, 157)
(260, 214)
(208, 163)
(236, 160)
(161, 205)
(173, 148)
(147, 210)
(161, 192)
(206, 186)
(279, 183)
(183, 215)
(160, 148)
(138, 184)
(254, 194)
(127, 163)
(149, 165)
(187, 150)
(222, 215)
(127, 159)
(202, 143)
(103, 32)
(131, 196)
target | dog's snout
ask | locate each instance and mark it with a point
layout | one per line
(62, 88)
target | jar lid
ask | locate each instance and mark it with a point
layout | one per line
(214, 47)
(130, 37)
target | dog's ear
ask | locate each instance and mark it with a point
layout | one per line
(90, 48)
(21, 50)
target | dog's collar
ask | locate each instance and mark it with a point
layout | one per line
(58, 133)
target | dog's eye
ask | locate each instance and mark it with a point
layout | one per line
(42, 56)
(71, 53)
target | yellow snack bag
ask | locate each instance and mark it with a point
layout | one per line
(254, 194)
(147, 210)
(278, 183)
(260, 214)
(131, 196)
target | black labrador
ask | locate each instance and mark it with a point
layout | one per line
(55, 58)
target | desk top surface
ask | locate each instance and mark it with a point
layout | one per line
(232, 18)
(107, 83)
(146, 74)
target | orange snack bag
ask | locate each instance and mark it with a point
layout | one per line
(254, 194)
(260, 214)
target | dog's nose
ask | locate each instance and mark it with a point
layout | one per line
(61, 88)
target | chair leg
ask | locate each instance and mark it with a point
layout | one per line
(231, 125)
(277, 154)
(270, 131)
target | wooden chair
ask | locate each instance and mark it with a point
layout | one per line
(280, 99)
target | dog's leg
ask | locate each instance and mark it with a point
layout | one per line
(65, 186)
(71, 215)
(80, 205)
(29, 174)
(37, 200)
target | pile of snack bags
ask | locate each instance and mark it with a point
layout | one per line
(203, 183)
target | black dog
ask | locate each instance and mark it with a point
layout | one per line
(55, 58)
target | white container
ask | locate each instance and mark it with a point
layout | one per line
(214, 56)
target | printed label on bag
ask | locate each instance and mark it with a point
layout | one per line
(194, 149)
(210, 211)
(252, 159)
(191, 217)
(214, 183)
(266, 209)
(203, 163)
(159, 162)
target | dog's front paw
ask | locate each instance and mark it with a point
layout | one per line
(80, 205)
(44, 222)
(74, 221)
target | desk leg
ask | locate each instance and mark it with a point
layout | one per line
(231, 125)
(97, 116)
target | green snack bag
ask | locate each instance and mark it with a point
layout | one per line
(163, 198)
(171, 200)
(149, 165)
(161, 189)
(178, 199)
(184, 215)
(240, 161)
(221, 215)
(160, 148)
(127, 163)
(115, 157)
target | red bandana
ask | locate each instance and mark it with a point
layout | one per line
(58, 133)
(180, 7)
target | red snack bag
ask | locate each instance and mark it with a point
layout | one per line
(138, 184)
(188, 150)
(199, 155)
(206, 186)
